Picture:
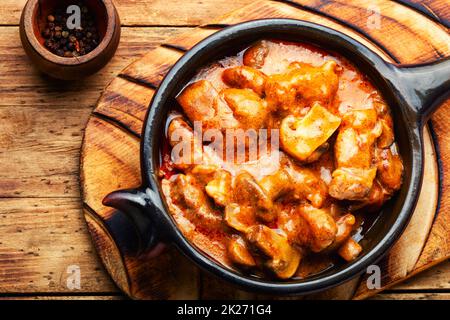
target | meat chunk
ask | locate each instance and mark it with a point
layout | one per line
(284, 259)
(185, 152)
(386, 138)
(301, 137)
(323, 228)
(255, 56)
(247, 107)
(350, 250)
(220, 188)
(197, 207)
(354, 155)
(244, 77)
(302, 86)
(197, 100)
(390, 170)
(239, 253)
(295, 226)
(352, 183)
(201, 102)
(307, 185)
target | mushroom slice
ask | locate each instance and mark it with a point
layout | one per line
(350, 250)
(284, 259)
(277, 184)
(220, 188)
(249, 193)
(244, 77)
(238, 252)
(239, 217)
(322, 226)
(300, 137)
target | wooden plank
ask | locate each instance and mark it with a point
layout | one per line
(108, 151)
(43, 119)
(39, 151)
(147, 13)
(412, 296)
(438, 10)
(106, 159)
(437, 247)
(409, 35)
(272, 9)
(22, 85)
(35, 257)
(151, 68)
(125, 102)
(435, 278)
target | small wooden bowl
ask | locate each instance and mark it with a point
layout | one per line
(33, 20)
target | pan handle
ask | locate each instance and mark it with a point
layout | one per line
(425, 86)
(145, 210)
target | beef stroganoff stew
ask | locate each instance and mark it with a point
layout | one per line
(277, 157)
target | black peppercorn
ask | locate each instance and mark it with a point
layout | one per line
(66, 42)
(46, 33)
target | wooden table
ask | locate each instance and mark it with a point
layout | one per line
(42, 231)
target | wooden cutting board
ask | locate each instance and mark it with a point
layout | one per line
(402, 32)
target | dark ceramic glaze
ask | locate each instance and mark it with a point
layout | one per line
(413, 92)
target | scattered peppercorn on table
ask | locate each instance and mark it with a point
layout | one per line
(45, 247)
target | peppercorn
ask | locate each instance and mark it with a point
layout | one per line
(66, 42)
(46, 33)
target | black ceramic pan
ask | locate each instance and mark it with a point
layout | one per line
(413, 93)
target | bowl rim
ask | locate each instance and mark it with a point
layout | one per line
(28, 24)
(149, 143)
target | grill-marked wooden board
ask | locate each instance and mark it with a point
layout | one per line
(406, 32)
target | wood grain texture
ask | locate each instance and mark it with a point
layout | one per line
(148, 13)
(36, 257)
(114, 235)
(438, 10)
(40, 139)
(412, 296)
(25, 94)
(129, 93)
(408, 35)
